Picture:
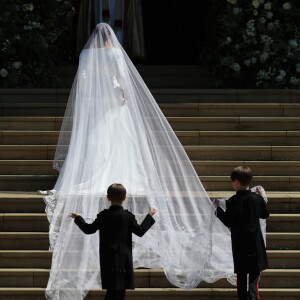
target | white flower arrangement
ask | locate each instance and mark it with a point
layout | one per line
(3, 72)
(264, 46)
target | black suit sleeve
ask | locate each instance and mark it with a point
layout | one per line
(140, 230)
(88, 228)
(223, 216)
(264, 210)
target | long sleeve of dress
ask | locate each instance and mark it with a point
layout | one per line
(87, 228)
(141, 229)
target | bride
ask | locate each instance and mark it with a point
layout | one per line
(113, 131)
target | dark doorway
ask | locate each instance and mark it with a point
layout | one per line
(175, 31)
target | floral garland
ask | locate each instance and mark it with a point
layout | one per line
(257, 43)
(34, 37)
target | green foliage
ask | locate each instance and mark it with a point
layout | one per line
(34, 37)
(255, 43)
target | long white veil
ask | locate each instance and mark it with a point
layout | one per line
(113, 131)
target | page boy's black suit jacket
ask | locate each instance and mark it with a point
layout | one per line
(116, 226)
(242, 215)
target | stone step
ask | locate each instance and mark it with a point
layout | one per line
(169, 110)
(159, 294)
(259, 168)
(32, 109)
(234, 123)
(233, 153)
(34, 222)
(239, 138)
(278, 202)
(278, 259)
(31, 202)
(25, 152)
(164, 95)
(270, 278)
(258, 153)
(255, 138)
(31, 123)
(12, 137)
(24, 241)
(210, 183)
(40, 240)
(203, 168)
(27, 182)
(177, 123)
(149, 278)
(231, 109)
(27, 167)
(270, 183)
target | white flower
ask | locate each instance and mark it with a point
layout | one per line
(264, 56)
(247, 62)
(251, 31)
(263, 74)
(294, 81)
(235, 67)
(17, 64)
(226, 61)
(294, 44)
(236, 10)
(255, 12)
(233, 2)
(269, 15)
(228, 40)
(262, 20)
(279, 78)
(268, 5)
(267, 42)
(27, 7)
(282, 73)
(253, 60)
(271, 26)
(255, 3)
(17, 36)
(3, 72)
(277, 23)
(298, 68)
(287, 6)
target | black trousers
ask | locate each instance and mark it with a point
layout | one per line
(242, 282)
(115, 295)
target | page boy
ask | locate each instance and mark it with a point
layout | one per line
(243, 211)
(116, 226)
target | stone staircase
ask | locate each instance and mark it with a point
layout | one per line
(219, 129)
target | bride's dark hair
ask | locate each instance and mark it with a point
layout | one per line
(105, 33)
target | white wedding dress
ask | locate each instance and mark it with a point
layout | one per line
(114, 132)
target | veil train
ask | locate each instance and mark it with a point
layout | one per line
(114, 131)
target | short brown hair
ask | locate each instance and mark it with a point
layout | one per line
(242, 174)
(116, 191)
